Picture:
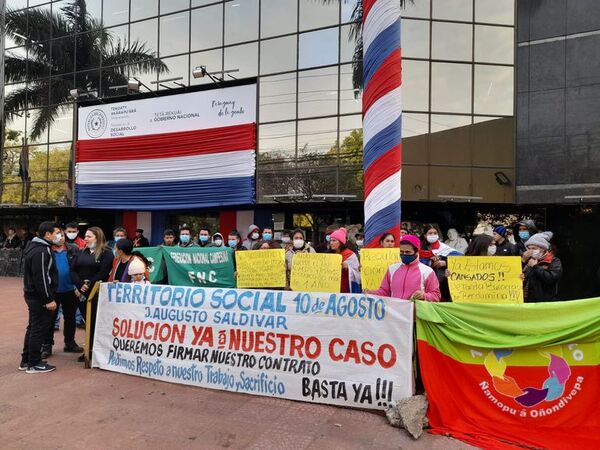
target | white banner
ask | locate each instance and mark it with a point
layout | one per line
(341, 349)
(171, 113)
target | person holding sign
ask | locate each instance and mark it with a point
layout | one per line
(350, 264)
(387, 240)
(299, 245)
(124, 257)
(542, 270)
(410, 279)
(482, 245)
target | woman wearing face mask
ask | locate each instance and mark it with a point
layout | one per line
(299, 245)
(217, 240)
(387, 240)
(124, 257)
(542, 270)
(350, 264)
(482, 245)
(90, 265)
(410, 279)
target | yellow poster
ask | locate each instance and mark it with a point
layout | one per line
(485, 279)
(260, 268)
(374, 262)
(316, 272)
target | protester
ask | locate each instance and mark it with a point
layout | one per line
(359, 240)
(168, 238)
(140, 240)
(124, 257)
(267, 234)
(286, 240)
(522, 232)
(350, 264)
(26, 236)
(234, 241)
(503, 246)
(482, 245)
(543, 270)
(90, 265)
(387, 240)
(252, 237)
(204, 237)
(410, 279)
(434, 254)
(456, 241)
(266, 245)
(299, 245)
(40, 280)
(217, 240)
(118, 234)
(185, 237)
(403, 232)
(324, 246)
(12, 240)
(138, 273)
(72, 235)
(65, 297)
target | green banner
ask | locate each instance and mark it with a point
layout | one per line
(196, 266)
(154, 255)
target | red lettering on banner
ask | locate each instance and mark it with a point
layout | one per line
(363, 354)
(203, 335)
(149, 331)
(274, 343)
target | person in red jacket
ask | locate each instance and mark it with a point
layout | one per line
(72, 235)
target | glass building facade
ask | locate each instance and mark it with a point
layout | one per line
(458, 90)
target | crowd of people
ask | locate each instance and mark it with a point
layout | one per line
(61, 267)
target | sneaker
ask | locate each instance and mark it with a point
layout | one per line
(46, 351)
(73, 348)
(42, 367)
(23, 366)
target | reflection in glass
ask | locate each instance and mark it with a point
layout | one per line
(494, 44)
(174, 34)
(351, 140)
(414, 125)
(318, 48)
(415, 38)
(178, 67)
(115, 13)
(146, 32)
(415, 138)
(317, 142)
(495, 11)
(204, 2)
(348, 7)
(241, 21)
(58, 162)
(451, 87)
(452, 41)
(453, 10)
(415, 85)
(59, 194)
(318, 92)
(212, 59)
(278, 55)
(450, 140)
(278, 17)
(62, 127)
(94, 8)
(350, 97)
(318, 14)
(244, 58)
(347, 44)
(278, 97)
(420, 8)
(140, 9)
(207, 27)
(38, 162)
(276, 141)
(494, 90)
(16, 4)
(172, 5)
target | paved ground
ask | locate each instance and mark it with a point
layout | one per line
(76, 408)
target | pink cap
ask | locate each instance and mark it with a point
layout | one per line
(413, 240)
(339, 235)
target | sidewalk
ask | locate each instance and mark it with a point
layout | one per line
(76, 408)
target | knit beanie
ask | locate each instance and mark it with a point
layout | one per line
(542, 240)
(412, 240)
(502, 231)
(339, 235)
(136, 266)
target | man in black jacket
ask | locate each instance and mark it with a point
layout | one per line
(40, 279)
(542, 270)
(503, 246)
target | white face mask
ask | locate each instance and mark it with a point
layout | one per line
(432, 238)
(91, 245)
(285, 240)
(360, 242)
(254, 236)
(218, 242)
(491, 250)
(57, 239)
(298, 243)
(71, 236)
(537, 254)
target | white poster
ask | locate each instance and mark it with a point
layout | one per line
(342, 349)
(212, 108)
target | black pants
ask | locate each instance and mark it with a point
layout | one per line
(40, 323)
(69, 303)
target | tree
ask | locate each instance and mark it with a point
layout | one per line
(49, 67)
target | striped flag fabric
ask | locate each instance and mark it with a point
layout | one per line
(190, 150)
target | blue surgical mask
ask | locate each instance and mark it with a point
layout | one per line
(203, 238)
(524, 235)
(267, 236)
(328, 238)
(407, 259)
(118, 238)
(185, 238)
(232, 243)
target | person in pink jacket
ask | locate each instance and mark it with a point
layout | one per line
(410, 279)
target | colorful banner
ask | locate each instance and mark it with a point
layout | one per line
(195, 266)
(325, 348)
(156, 268)
(374, 263)
(261, 269)
(501, 375)
(316, 272)
(485, 279)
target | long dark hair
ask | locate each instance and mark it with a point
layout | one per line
(425, 245)
(126, 246)
(479, 245)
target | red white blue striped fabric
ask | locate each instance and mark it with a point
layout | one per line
(382, 119)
